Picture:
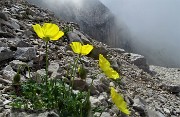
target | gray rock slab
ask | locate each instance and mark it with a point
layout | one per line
(139, 105)
(6, 34)
(3, 16)
(173, 88)
(8, 73)
(25, 53)
(6, 53)
(53, 67)
(138, 60)
(84, 39)
(17, 64)
(152, 113)
(22, 44)
(73, 37)
(105, 114)
(4, 81)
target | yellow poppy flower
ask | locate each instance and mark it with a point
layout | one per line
(111, 73)
(78, 48)
(86, 49)
(106, 68)
(119, 101)
(103, 63)
(48, 31)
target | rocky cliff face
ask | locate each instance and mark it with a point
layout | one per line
(93, 17)
(147, 96)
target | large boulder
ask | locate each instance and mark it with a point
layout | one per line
(138, 60)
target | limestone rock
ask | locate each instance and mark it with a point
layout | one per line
(138, 60)
(22, 43)
(53, 67)
(3, 16)
(105, 114)
(6, 53)
(18, 65)
(8, 73)
(80, 85)
(98, 50)
(39, 75)
(76, 35)
(151, 113)
(73, 37)
(94, 101)
(4, 81)
(25, 53)
(173, 88)
(139, 105)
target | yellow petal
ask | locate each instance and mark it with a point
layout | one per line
(86, 49)
(103, 63)
(76, 47)
(59, 35)
(111, 73)
(39, 31)
(105, 67)
(119, 101)
(50, 30)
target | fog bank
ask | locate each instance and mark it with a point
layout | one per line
(154, 26)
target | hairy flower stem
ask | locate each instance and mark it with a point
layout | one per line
(73, 72)
(46, 63)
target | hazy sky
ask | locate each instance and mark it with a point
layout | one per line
(155, 24)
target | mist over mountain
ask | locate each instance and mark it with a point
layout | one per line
(154, 26)
(94, 19)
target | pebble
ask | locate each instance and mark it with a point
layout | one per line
(1, 109)
(7, 107)
(5, 81)
(1, 102)
(95, 102)
(166, 110)
(6, 102)
(105, 114)
(1, 86)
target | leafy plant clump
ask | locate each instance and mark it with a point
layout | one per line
(53, 96)
(56, 94)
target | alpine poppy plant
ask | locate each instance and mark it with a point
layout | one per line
(106, 68)
(48, 31)
(78, 48)
(119, 101)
